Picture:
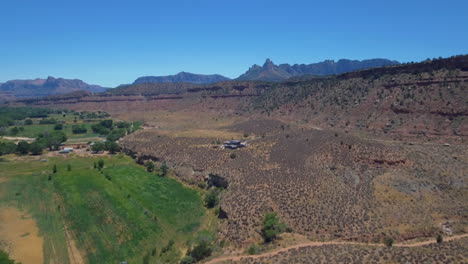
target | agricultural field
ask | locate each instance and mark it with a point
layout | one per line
(67, 120)
(83, 214)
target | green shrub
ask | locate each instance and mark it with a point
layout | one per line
(149, 166)
(388, 242)
(253, 249)
(211, 199)
(439, 239)
(200, 251)
(163, 170)
(272, 227)
(5, 259)
(100, 164)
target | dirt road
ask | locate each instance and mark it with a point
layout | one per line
(318, 244)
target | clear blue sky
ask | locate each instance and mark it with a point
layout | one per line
(114, 42)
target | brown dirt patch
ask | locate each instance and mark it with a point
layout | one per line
(19, 235)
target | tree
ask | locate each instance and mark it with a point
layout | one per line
(112, 147)
(115, 134)
(28, 122)
(68, 167)
(52, 140)
(211, 199)
(58, 127)
(54, 169)
(439, 239)
(7, 148)
(200, 251)
(272, 227)
(388, 242)
(98, 146)
(163, 170)
(79, 129)
(14, 131)
(100, 164)
(22, 147)
(36, 148)
(107, 123)
(149, 166)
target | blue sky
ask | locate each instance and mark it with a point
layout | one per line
(114, 42)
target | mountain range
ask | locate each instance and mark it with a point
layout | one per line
(45, 87)
(182, 77)
(268, 72)
(271, 72)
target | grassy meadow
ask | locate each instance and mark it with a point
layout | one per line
(118, 213)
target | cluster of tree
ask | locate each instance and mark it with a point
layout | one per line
(112, 130)
(92, 115)
(8, 115)
(110, 146)
(163, 170)
(23, 148)
(48, 121)
(79, 129)
(15, 130)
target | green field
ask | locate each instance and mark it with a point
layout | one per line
(119, 213)
(35, 129)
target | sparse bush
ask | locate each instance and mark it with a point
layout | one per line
(233, 156)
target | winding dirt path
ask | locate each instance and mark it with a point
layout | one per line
(318, 244)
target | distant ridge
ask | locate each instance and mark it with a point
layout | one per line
(46, 87)
(271, 72)
(182, 77)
